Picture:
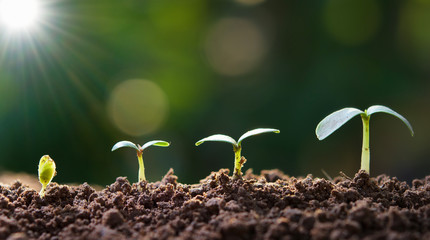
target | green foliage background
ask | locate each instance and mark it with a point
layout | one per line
(312, 58)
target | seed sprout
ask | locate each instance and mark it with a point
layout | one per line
(139, 150)
(335, 120)
(237, 146)
(46, 172)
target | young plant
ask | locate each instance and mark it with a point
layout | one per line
(46, 172)
(335, 120)
(237, 146)
(139, 150)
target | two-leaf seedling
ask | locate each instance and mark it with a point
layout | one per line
(335, 120)
(139, 150)
(46, 172)
(237, 146)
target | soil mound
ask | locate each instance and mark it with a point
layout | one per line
(269, 206)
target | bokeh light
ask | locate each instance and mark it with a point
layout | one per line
(68, 87)
(250, 2)
(138, 107)
(235, 46)
(352, 22)
(414, 31)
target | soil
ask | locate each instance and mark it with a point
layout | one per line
(8, 178)
(269, 206)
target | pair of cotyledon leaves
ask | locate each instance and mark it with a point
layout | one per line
(216, 137)
(335, 120)
(138, 147)
(225, 138)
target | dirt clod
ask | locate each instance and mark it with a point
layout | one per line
(112, 218)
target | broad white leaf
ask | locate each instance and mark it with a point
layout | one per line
(124, 144)
(217, 138)
(379, 108)
(256, 132)
(334, 121)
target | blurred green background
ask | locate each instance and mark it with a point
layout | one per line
(92, 73)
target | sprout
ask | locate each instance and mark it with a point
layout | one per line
(237, 146)
(46, 172)
(335, 120)
(139, 150)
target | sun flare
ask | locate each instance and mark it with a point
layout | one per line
(18, 15)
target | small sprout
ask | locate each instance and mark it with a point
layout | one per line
(335, 120)
(46, 172)
(237, 146)
(139, 150)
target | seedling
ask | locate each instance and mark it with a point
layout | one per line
(46, 172)
(335, 120)
(237, 146)
(139, 150)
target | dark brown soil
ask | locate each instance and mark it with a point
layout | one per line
(269, 206)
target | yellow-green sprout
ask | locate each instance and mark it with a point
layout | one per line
(46, 172)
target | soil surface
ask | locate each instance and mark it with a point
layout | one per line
(8, 178)
(269, 206)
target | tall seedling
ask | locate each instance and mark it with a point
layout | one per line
(335, 120)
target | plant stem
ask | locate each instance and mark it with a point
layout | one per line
(237, 173)
(42, 191)
(365, 152)
(141, 167)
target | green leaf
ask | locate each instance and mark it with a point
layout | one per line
(256, 132)
(378, 108)
(217, 138)
(158, 143)
(334, 121)
(124, 144)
